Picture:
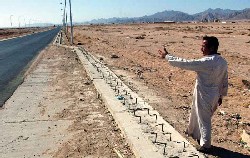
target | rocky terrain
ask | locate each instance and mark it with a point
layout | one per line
(131, 51)
(209, 15)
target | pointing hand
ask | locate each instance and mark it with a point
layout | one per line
(163, 53)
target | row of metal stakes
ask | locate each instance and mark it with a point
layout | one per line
(124, 94)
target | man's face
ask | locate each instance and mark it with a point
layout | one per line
(204, 48)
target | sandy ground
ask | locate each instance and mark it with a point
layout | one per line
(154, 79)
(131, 51)
(56, 113)
(15, 32)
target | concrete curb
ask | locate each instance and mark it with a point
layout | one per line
(148, 138)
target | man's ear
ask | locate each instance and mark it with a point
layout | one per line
(212, 49)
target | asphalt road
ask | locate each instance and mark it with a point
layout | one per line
(15, 55)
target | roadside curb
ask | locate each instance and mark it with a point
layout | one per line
(148, 134)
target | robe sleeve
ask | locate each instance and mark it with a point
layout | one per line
(224, 84)
(193, 65)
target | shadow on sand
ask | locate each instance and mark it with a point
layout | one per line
(224, 153)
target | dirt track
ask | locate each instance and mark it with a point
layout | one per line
(138, 64)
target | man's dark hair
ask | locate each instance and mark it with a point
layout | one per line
(212, 42)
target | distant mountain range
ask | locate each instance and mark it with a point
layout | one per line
(177, 16)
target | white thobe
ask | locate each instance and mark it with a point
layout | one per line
(211, 84)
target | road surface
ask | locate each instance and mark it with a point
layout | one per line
(15, 55)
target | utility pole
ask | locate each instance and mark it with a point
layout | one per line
(66, 23)
(19, 21)
(71, 39)
(24, 22)
(11, 20)
(62, 19)
(64, 12)
(29, 22)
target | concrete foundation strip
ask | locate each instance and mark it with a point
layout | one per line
(148, 134)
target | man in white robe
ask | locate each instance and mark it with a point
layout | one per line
(210, 86)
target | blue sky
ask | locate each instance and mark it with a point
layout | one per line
(49, 11)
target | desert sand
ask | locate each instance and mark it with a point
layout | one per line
(15, 32)
(131, 51)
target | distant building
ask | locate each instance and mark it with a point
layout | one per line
(169, 21)
(163, 22)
